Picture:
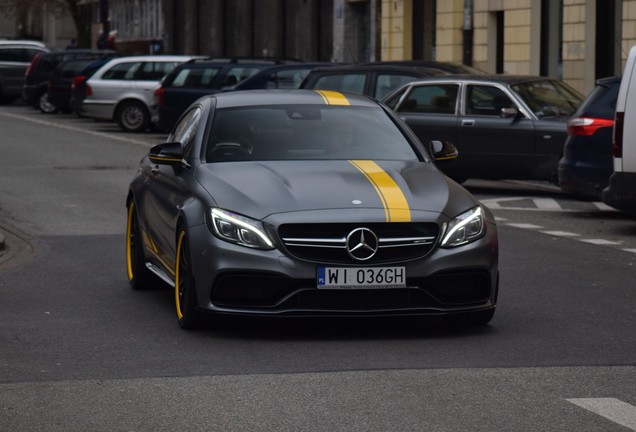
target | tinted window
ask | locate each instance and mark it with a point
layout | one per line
(386, 83)
(348, 82)
(486, 100)
(306, 132)
(237, 74)
(21, 55)
(287, 79)
(195, 78)
(185, 131)
(122, 71)
(154, 71)
(434, 98)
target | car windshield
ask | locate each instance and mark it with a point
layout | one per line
(549, 98)
(303, 132)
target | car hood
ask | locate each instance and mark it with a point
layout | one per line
(260, 189)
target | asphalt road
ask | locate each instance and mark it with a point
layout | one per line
(81, 351)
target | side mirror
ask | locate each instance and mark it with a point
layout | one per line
(170, 153)
(443, 151)
(509, 112)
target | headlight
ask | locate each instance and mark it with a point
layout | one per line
(238, 229)
(465, 228)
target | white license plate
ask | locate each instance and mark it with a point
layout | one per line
(361, 277)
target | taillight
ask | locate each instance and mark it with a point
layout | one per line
(586, 126)
(159, 95)
(617, 139)
(89, 90)
(77, 81)
(31, 67)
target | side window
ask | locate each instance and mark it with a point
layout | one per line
(237, 74)
(154, 71)
(289, 79)
(185, 131)
(386, 83)
(486, 100)
(432, 99)
(351, 83)
(195, 77)
(391, 103)
(121, 71)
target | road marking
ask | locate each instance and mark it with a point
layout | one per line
(630, 250)
(76, 129)
(603, 206)
(600, 242)
(524, 226)
(548, 204)
(561, 233)
(612, 409)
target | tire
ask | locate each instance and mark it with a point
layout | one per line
(43, 104)
(139, 276)
(185, 293)
(132, 116)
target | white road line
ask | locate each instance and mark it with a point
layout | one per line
(76, 129)
(603, 206)
(600, 242)
(561, 233)
(524, 226)
(612, 409)
(630, 250)
(548, 204)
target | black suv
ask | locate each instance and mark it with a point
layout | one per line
(37, 76)
(587, 164)
(15, 57)
(199, 77)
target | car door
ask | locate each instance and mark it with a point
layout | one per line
(493, 143)
(166, 191)
(429, 109)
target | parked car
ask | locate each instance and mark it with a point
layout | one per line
(621, 191)
(586, 164)
(201, 77)
(36, 78)
(61, 82)
(371, 80)
(122, 89)
(450, 67)
(292, 202)
(503, 126)
(78, 85)
(285, 77)
(15, 58)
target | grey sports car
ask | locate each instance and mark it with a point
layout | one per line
(307, 203)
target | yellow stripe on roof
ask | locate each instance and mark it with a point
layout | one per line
(396, 207)
(333, 97)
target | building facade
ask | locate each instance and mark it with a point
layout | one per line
(578, 41)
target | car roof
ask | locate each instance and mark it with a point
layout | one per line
(485, 78)
(19, 42)
(377, 68)
(288, 97)
(447, 66)
(205, 61)
(181, 58)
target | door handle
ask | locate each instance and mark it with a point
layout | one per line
(469, 122)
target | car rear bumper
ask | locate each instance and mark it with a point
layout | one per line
(584, 180)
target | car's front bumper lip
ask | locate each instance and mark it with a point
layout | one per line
(213, 258)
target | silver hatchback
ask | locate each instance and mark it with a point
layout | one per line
(122, 89)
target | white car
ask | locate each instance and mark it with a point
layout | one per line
(122, 89)
(621, 192)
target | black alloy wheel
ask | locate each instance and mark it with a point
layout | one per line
(185, 293)
(139, 276)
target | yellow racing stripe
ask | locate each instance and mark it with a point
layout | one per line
(396, 208)
(333, 97)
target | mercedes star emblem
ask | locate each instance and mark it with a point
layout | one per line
(362, 244)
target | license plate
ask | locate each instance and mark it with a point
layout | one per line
(361, 277)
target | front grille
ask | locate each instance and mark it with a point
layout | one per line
(326, 243)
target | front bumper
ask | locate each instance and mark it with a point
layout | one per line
(231, 279)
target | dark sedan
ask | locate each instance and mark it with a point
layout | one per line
(307, 203)
(503, 126)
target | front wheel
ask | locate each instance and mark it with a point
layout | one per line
(138, 274)
(132, 116)
(185, 293)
